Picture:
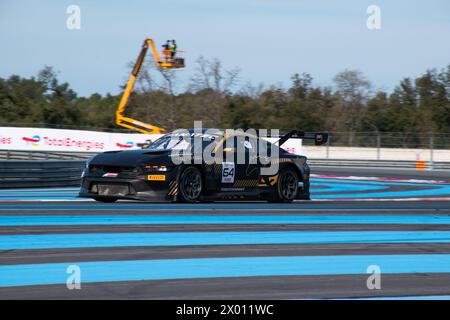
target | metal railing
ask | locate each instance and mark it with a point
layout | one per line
(43, 155)
(401, 140)
(65, 173)
(383, 146)
(377, 164)
(46, 173)
(60, 126)
(406, 140)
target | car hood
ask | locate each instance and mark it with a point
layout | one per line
(132, 158)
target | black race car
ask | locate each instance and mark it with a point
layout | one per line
(207, 165)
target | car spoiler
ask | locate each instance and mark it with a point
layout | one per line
(319, 138)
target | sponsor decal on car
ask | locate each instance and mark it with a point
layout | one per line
(110, 175)
(228, 172)
(156, 177)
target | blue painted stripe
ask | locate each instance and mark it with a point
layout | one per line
(444, 191)
(371, 182)
(42, 189)
(232, 206)
(40, 193)
(31, 194)
(345, 187)
(330, 186)
(404, 298)
(339, 185)
(46, 220)
(72, 193)
(39, 274)
(150, 206)
(217, 238)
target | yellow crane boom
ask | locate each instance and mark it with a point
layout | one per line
(166, 63)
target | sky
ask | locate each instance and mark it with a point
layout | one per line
(268, 40)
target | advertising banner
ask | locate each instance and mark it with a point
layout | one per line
(39, 139)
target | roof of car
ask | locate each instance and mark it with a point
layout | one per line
(221, 132)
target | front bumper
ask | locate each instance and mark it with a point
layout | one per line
(132, 188)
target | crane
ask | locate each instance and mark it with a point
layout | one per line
(169, 61)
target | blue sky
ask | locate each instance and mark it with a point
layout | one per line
(268, 40)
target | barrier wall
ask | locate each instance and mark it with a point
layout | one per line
(65, 173)
(40, 174)
(39, 139)
(399, 154)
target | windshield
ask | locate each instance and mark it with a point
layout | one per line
(180, 141)
(168, 141)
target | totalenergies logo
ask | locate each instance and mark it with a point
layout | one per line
(33, 140)
(127, 145)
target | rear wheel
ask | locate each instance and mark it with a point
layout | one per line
(190, 184)
(105, 199)
(287, 186)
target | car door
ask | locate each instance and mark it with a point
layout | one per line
(244, 163)
(228, 165)
(239, 169)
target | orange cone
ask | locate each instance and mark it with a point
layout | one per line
(420, 165)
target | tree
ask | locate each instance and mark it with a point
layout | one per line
(412, 110)
(353, 92)
(213, 84)
(210, 74)
(61, 107)
(352, 85)
(301, 85)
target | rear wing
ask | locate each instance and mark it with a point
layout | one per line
(319, 138)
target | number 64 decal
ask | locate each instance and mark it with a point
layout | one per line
(228, 172)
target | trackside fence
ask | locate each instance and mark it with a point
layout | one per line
(67, 173)
(43, 155)
(40, 174)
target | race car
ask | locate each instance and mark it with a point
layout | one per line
(188, 165)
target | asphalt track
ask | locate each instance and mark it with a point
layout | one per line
(398, 221)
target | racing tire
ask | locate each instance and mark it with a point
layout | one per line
(286, 187)
(105, 199)
(190, 185)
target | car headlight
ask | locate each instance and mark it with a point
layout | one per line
(86, 166)
(88, 161)
(156, 168)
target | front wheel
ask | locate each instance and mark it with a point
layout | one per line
(287, 186)
(191, 185)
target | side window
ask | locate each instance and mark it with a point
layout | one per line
(247, 144)
(265, 148)
(262, 147)
(229, 149)
(247, 149)
(229, 144)
(251, 144)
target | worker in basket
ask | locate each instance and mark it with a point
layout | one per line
(173, 49)
(166, 50)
